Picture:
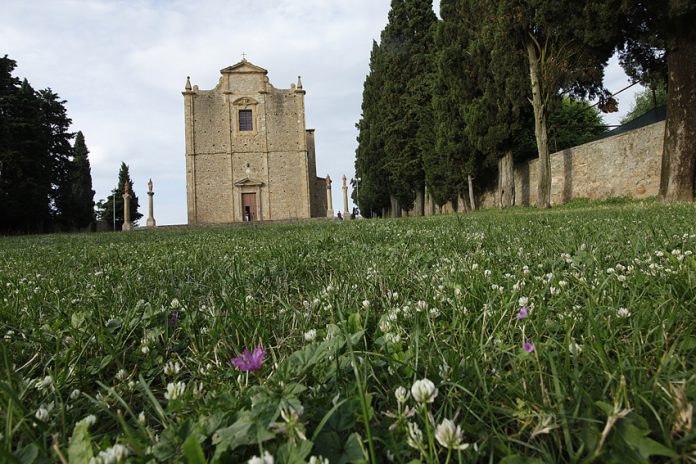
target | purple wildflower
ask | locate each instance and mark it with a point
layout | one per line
(528, 346)
(173, 318)
(523, 313)
(250, 362)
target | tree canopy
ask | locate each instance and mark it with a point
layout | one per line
(36, 158)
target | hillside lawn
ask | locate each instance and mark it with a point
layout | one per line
(566, 335)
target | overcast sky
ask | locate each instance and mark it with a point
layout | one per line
(122, 65)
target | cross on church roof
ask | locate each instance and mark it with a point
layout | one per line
(244, 56)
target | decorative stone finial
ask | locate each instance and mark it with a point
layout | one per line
(328, 181)
(149, 185)
(126, 187)
(299, 82)
(188, 84)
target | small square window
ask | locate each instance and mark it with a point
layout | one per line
(245, 120)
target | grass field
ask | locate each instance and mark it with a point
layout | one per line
(559, 336)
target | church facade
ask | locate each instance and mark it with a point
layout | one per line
(249, 156)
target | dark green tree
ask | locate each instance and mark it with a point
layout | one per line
(454, 160)
(407, 51)
(496, 112)
(25, 169)
(658, 44)
(58, 150)
(80, 204)
(106, 206)
(373, 189)
(35, 154)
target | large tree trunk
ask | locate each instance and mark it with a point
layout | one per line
(679, 151)
(419, 206)
(471, 192)
(544, 195)
(506, 180)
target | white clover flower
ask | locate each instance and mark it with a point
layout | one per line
(115, 454)
(145, 349)
(555, 291)
(45, 383)
(574, 348)
(318, 460)
(487, 273)
(523, 301)
(172, 368)
(401, 395)
(366, 304)
(310, 335)
(42, 414)
(141, 417)
(421, 305)
(392, 337)
(175, 304)
(450, 436)
(131, 384)
(90, 420)
(74, 394)
(266, 459)
(174, 390)
(415, 436)
(121, 375)
(198, 388)
(385, 325)
(623, 313)
(434, 312)
(424, 391)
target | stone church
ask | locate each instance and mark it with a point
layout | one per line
(249, 156)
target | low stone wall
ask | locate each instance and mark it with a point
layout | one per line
(627, 164)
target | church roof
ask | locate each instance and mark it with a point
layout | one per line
(243, 67)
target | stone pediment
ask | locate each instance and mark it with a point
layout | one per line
(243, 67)
(245, 101)
(247, 182)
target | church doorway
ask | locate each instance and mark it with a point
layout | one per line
(249, 207)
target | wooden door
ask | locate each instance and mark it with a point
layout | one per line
(249, 207)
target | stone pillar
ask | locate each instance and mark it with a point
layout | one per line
(126, 207)
(329, 200)
(150, 194)
(346, 213)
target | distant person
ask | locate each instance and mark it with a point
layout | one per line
(339, 216)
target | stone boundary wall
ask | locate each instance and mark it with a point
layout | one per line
(627, 164)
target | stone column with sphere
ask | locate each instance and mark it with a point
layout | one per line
(346, 213)
(329, 200)
(150, 194)
(126, 207)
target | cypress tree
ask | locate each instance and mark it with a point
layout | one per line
(81, 193)
(454, 160)
(58, 152)
(373, 189)
(107, 206)
(407, 46)
(25, 170)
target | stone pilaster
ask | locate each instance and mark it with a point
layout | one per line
(329, 200)
(346, 213)
(150, 217)
(126, 208)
